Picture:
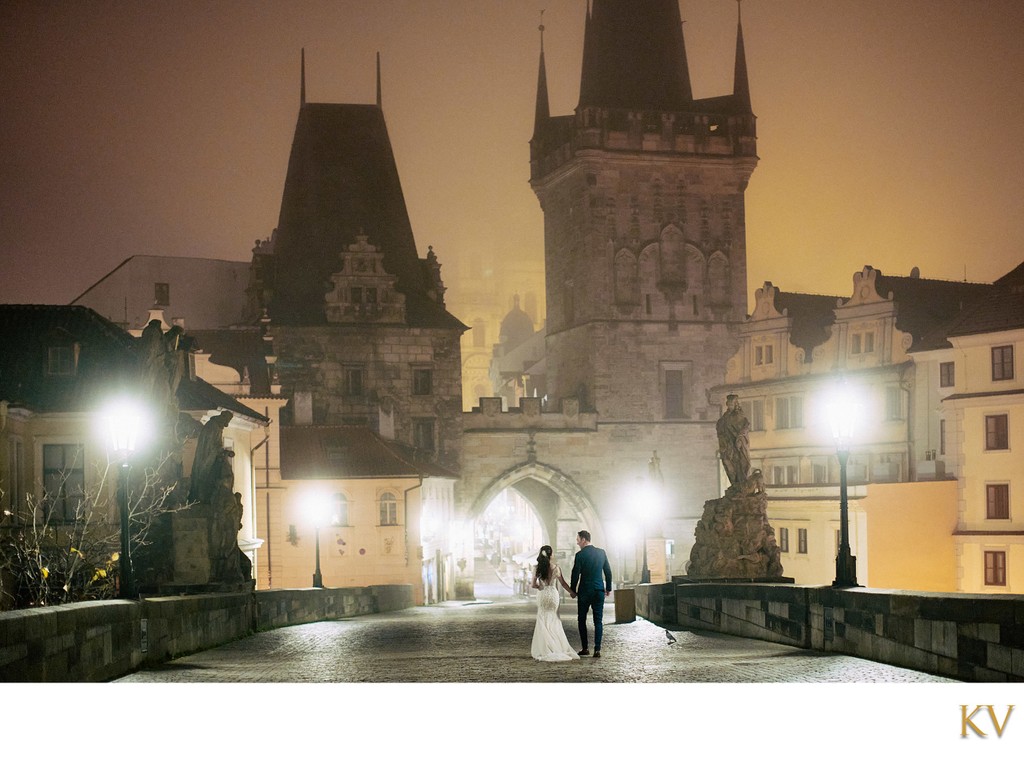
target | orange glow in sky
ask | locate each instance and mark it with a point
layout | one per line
(889, 130)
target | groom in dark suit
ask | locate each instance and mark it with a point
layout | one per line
(591, 583)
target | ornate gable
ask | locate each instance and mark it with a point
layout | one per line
(363, 291)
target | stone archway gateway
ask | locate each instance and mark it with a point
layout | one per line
(560, 504)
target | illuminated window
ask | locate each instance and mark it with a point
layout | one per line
(996, 432)
(784, 540)
(995, 568)
(754, 412)
(997, 501)
(801, 541)
(947, 374)
(63, 481)
(764, 355)
(893, 403)
(1002, 363)
(388, 509)
(339, 515)
(789, 412)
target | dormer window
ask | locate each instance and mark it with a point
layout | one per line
(862, 343)
(61, 360)
(764, 355)
(161, 294)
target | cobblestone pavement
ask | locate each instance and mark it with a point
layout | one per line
(490, 643)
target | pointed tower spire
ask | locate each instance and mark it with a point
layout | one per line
(379, 100)
(740, 83)
(543, 110)
(616, 76)
(302, 80)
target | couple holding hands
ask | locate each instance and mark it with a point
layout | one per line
(591, 583)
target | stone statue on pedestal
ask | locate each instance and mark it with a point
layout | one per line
(733, 540)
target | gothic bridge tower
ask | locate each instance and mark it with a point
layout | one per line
(642, 190)
(645, 267)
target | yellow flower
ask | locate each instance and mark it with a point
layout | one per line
(46, 572)
(115, 557)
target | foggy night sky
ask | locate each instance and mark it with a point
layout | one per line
(889, 131)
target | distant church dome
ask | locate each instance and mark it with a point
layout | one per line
(516, 327)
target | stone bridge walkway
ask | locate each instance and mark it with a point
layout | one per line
(489, 642)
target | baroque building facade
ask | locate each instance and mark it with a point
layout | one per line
(884, 340)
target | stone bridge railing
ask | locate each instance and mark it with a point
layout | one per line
(100, 641)
(971, 637)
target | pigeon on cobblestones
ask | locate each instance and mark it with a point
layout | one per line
(670, 637)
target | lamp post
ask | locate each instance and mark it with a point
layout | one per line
(843, 413)
(124, 422)
(319, 507)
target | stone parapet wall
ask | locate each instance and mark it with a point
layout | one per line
(972, 637)
(100, 641)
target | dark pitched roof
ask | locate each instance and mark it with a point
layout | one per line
(312, 452)
(812, 315)
(922, 304)
(616, 74)
(107, 362)
(343, 182)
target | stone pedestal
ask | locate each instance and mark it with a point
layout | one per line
(733, 539)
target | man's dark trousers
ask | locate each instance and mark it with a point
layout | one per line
(586, 599)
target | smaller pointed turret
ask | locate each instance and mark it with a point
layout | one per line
(379, 99)
(740, 83)
(542, 111)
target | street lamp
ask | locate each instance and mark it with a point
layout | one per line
(125, 422)
(319, 509)
(843, 412)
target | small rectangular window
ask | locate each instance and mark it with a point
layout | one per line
(754, 412)
(942, 437)
(869, 343)
(388, 509)
(792, 474)
(855, 343)
(801, 538)
(63, 481)
(759, 356)
(995, 568)
(893, 403)
(997, 501)
(340, 513)
(784, 540)
(674, 394)
(789, 412)
(161, 294)
(947, 374)
(1002, 363)
(422, 382)
(352, 383)
(423, 434)
(996, 432)
(60, 361)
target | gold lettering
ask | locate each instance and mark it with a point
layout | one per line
(965, 721)
(992, 714)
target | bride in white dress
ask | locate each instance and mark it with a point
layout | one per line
(549, 641)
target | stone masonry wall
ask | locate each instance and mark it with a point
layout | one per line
(100, 641)
(972, 637)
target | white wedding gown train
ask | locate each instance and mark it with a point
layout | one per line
(549, 641)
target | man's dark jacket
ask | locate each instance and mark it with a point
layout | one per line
(587, 570)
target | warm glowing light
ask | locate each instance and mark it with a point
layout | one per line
(316, 506)
(844, 411)
(126, 424)
(648, 501)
